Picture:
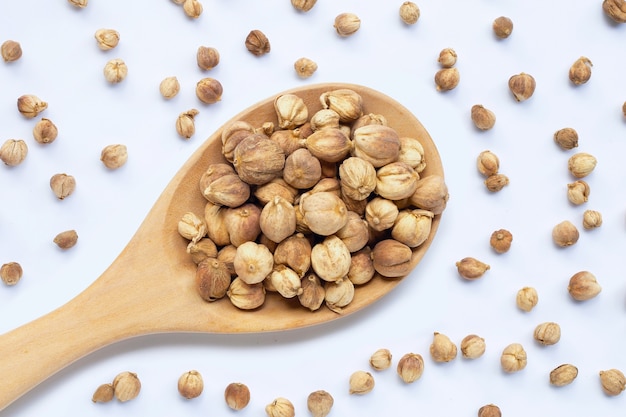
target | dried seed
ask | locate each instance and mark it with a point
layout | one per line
(563, 375)
(502, 27)
(11, 273)
(471, 268)
(410, 367)
(66, 239)
(237, 395)
(257, 43)
(361, 382)
(613, 381)
(513, 358)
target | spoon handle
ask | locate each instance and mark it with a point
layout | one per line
(35, 351)
(130, 298)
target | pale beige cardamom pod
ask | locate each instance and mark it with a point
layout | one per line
(11, 51)
(578, 192)
(246, 296)
(613, 381)
(580, 71)
(330, 145)
(412, 153)
(286, 281)
(185, 124)
(548, 333)
(192, 8)
(500, 240)
(280, 407)
(346, 102)
(45, 131)
(29, 105)
(190, 384)
(381, 213)
(409, 12)
(361, 267)
(107, 38)
(278, 219)
(330, 259)
(381, 359)
(483, 118)
(447, 79)
(472, 346)
(396, 181)
(566, 138)
(471, 268)
(563, 375)
(355, 233)
(103, 394)
(565, 234)
(214, 217)
(391, 258)
(357, 177)
(169, 87)
(209, 90)
(11, 273)
(347, 24)
(522, 86)
(313, 292)
(66, 239)
(243, 223)
(13, 152)
(410, 367)
(258, 159)
(442, 349)
(324, 118)
(62, 185)
(361, 382)
(126, 386)
(257, 43)
(513, 358)
(303, 5)
(253, 262)
(583, 286)
(232, 135)
(339, 294)
(581, 164)
(114, 156)
(207, 57)
(615, 9)
(294, 252)
(115, 70)
(228, 190)
(237, 395)
(431, 194)
(277, 187)
(412, 227)
(302, 170)
(192, 227)
(324, 212)
(502, 27)
(592, 219)
(496, 182)
(319, 403)
(377, 144)
(527, 298)
(291, 111)
(201, 250)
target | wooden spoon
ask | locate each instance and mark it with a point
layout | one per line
(149, 288)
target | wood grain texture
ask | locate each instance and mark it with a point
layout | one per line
(149, 288)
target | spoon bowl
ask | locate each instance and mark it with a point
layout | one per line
(150, 287)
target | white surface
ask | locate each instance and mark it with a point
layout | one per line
(62, 65)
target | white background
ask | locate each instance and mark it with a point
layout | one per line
(62, 65)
